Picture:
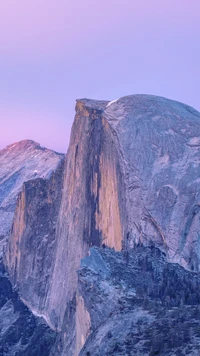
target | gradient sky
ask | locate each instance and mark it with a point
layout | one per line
(54, 51)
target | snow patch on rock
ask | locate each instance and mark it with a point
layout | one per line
(112, 102)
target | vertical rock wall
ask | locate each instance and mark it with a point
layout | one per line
(30, 254)
(89, 212)
(131, 174)
(53, 228)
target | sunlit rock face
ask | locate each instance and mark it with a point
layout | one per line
(159, 145)
(30, 254)
(19, 163)
(57, 220)
(131, 176)
(90, 211)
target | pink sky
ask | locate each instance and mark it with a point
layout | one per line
(52, 52)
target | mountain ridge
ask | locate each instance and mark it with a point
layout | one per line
(130, 177)
(26, 143)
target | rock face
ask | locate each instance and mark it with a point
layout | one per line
(148, 174)
(90, 209)
(159, 147)
(30, 252)
(21, 333)
(19, 163)
(131, 176)
(133, 306)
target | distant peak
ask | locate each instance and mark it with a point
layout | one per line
(28, 145)
(24, 144)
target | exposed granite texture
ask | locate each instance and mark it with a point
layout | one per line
(32, 243)
(91, 184)
(138, 304)
(19, 163)
(21, 333)
(159, 141)
(125, 183)
(131, 176)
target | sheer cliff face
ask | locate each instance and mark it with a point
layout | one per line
(131, 175)
(90, 212)
(159, 141)
(53, 228)
(141, 168)
(19, 163)
(31, 247)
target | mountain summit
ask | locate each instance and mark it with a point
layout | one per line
(145, 173)
(130, 179)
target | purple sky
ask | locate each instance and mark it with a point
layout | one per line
(54, 51)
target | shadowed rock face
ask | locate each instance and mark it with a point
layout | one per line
(21, 333)
(131, 175)
(30, 252)
(19, 163)
(137, 306)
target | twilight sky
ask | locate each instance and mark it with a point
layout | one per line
(54, 51)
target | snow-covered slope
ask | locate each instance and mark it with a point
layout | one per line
(19, 163)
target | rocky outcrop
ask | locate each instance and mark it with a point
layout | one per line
(130, 177)
(21, 333)
(90, 212)
(19, 163)
(159, 144)
(30, 252)
(137, 306)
